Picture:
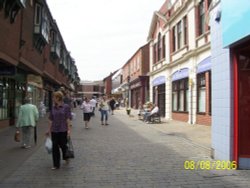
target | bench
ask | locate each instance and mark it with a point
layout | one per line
(155, 118)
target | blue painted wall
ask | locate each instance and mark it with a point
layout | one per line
(235, 20)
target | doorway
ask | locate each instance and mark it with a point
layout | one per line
(243, 61)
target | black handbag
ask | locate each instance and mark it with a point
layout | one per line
(70, 149)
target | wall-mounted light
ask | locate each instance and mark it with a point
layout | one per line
(218, 16)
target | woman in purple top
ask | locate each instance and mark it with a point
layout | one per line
(59, 127)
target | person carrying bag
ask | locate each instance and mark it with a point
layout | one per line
(70, 149)
(59, 128)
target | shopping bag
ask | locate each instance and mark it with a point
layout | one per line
(48, 145)
(17, 136)
(73, 115)
(70, 149)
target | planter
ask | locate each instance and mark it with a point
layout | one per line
(128, 112)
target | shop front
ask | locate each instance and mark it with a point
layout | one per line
(204, 97)
(35, 89)
(159, 93)
(12, 89)
(139, 91)
(180, 95)
(231, 82)
(241, 62)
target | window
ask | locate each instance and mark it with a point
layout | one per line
(163, 47)
(38, 14)
(201, 95)
(175, 96)
(155, 52)
(138, 63)
(45, 27)
(174, 39)
(201, 17)
(180, 34)
(180, 95)
(4, 98)
(185, 30)
(159, 47)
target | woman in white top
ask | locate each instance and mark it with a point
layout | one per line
(87, 111)
(104, 108)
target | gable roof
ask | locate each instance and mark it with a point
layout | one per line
(158, 15)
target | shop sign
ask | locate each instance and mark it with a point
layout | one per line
(138, 84)
(35, 80)
(7, 71)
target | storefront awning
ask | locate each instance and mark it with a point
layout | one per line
(159, 80)
(204, 65)
(180, 74)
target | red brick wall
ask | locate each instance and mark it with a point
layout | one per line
(180, 116)
(108, 85)
(28, 52)
(145, 60)
(203, 119)
(9, 37)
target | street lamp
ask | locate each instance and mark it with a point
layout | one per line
(128, 79)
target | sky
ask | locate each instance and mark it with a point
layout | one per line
(102, 35)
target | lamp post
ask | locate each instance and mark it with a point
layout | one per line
(128, 105)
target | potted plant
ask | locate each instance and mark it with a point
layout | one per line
(128, 111)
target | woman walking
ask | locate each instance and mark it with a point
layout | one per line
(87, 111)
(104, 108)
(112, 105)
(59, 127)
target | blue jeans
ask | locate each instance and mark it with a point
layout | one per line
(146, 115)
(104, 113)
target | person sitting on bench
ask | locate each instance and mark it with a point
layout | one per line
(153, 111)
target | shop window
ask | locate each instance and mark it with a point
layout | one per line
(210, 93)
(3, 99)
(201, 93)
(180, 95)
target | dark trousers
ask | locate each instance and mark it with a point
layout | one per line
(59, 140)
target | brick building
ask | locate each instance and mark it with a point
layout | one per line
(135, 79)
(34, 60)
(90, 89)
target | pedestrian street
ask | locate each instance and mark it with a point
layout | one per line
(125, 153)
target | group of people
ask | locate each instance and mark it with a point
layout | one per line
(104, 106)
(60, 121)
(148, 111)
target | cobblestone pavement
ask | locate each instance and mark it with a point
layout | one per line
(126, 154)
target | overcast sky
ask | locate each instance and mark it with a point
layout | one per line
(103, 34)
